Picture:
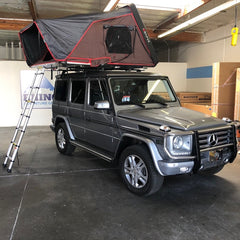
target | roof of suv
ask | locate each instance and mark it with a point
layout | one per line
(108, 74)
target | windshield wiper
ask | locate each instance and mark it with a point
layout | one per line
(162, 103)
(133, 103)
(138, 104)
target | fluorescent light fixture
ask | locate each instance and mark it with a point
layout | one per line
(200, 17)
(151, 4)
(110, 5)
(16, 19)
(162, 5)
(159, 8)
(171, 4)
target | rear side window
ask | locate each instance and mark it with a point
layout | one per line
(78, 92)
(60, 93)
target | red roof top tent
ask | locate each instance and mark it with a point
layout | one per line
(113, 38)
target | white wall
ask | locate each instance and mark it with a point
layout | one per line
(216, 48)
(176, 73)
(10, 91)
(10, 96)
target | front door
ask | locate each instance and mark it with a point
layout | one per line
(99, 123)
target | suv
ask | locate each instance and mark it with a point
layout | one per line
(135, 120)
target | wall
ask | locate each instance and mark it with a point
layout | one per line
(216, 48)
(176, 73)
(11, 51)
(10, 96)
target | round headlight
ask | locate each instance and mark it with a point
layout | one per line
(177, 142)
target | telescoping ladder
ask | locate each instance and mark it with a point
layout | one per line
(23, 120)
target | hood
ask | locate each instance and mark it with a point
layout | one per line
(174, 117)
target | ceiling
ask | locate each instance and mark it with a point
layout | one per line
(16, 14)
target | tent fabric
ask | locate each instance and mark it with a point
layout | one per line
(113, 38)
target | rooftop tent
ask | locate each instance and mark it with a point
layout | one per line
(112, 38)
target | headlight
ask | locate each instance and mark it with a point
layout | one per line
(177, 142)
(179, 145)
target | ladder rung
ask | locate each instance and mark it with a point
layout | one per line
(29, 101)
(27, 116)
(14, 144)
(35, 87)
(21, 130)
(9, 157)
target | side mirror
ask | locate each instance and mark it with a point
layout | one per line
(102, 105)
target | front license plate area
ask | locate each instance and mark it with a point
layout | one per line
(215, 155)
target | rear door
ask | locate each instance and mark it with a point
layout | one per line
(59, 106)
(76, 107)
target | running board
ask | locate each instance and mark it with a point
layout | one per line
(91, 150)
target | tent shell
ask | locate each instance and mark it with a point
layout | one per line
(81, 39)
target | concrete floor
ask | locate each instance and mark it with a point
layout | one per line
(51, 196)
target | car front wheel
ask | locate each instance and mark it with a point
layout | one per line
(138, 171)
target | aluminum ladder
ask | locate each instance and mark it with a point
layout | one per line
(23, 120)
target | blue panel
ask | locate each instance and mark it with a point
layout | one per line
(199, 72)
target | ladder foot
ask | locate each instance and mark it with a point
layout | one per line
(9, 170)
(4, 165)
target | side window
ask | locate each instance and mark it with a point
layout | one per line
(98, 91)
(60, 92)
(78, 91)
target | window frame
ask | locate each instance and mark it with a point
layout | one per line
(71, 91)
(56, 90)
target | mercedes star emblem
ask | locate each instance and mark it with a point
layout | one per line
(212, 140)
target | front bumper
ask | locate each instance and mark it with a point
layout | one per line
(175, 168)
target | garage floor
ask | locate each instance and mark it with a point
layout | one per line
(51, 196)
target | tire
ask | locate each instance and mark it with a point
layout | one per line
(62, 140)
(212, 171)
(138, 171)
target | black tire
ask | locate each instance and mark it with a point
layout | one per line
(62, 140)
(212, 171)
(142, 178)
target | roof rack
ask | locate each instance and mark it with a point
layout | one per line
(68, 67)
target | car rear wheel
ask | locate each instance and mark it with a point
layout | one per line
(138, 171)
(62, 140)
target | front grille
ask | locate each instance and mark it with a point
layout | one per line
(215, 138)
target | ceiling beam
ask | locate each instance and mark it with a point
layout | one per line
(152, 34)
(112, 4)
(175, 19)
(188, 37)
(33, 9)
(14, 24)
(181, 37)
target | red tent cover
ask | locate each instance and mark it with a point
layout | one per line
(113, 38)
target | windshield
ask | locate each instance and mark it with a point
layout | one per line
(141, 91)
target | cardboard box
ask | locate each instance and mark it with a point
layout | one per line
(237, 98)
(194, 97)
(223, 89)
(205, 108)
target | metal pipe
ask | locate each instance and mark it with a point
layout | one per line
(12, 51)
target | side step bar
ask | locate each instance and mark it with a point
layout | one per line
(91, 150)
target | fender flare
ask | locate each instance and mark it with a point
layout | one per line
(65, 120)
(151, 147)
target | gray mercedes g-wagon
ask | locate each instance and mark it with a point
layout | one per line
(135, 120)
